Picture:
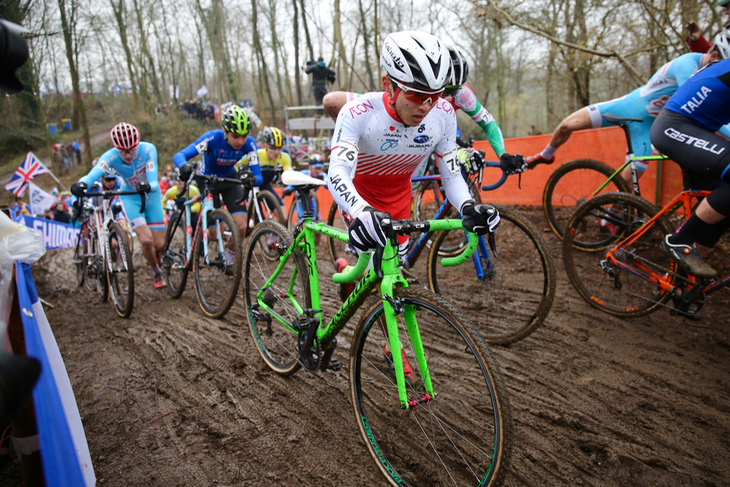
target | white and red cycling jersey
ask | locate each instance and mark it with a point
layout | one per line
(374, 155)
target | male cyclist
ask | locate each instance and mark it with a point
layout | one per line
(269, 157)
(135, 163)
(461, 97)
(221, 150)
(644, 103)
(175, 195)
(382, 138)
(685, 131)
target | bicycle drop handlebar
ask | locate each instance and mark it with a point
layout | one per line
(406, 227)
(111, 194)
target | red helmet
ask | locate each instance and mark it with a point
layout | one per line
(125, 136)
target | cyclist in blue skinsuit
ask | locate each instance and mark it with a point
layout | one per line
(135, 163)
(644, 103)
(685, 131)
(221, 150)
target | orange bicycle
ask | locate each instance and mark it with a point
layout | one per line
(622, 270)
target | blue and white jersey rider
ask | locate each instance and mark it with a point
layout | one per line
(219, 158)
(142, 169)
(646, 102)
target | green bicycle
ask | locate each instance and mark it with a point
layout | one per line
(447, 422)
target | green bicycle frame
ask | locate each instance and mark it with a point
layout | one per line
(630, 160)
(304, 241)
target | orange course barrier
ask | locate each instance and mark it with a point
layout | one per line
(607, 145)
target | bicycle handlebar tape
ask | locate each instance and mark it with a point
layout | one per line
(353, 273)
(465, 255)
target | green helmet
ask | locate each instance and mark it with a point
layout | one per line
(235, 120)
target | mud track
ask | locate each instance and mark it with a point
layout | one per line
(169, 397)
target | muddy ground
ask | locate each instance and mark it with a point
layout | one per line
(169, 397)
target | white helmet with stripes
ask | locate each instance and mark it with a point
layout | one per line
(418, 59)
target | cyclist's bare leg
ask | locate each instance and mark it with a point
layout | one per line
(151, 242)
(242, 222)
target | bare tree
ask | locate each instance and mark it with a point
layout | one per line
(69, 15)
(120, 13)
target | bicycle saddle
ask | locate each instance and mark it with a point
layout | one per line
(294, 178)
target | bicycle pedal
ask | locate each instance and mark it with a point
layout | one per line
(334, 365)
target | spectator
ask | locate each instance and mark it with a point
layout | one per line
(20, 208)
(57, 158)
(48, 214)
(77, 151)
(695, 40)
(168, 171)
(60, 215)
(321, 74)
(164, 183)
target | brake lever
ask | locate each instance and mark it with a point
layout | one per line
(378, 261)
(492, 244)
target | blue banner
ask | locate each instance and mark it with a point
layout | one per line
(56, 235)
(64, 449)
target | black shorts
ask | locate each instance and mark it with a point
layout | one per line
(231, 193)
(703, 155)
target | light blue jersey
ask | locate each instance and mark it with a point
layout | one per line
(142, 168)
(646, 102)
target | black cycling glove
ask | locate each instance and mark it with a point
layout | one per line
(366, 231)
(186, 170)
(512, 164)
(144, 187)
(480, 219)
(78, 189)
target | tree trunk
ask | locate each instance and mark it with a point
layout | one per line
(306, 31)
(119, 14)
(69, 41)
(263, 70)
(366, 48)
(296, 53)
(337, 27)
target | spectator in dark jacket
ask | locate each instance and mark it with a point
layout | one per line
(321, 74)
(60, 215)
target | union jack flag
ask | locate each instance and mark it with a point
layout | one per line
(30, 168)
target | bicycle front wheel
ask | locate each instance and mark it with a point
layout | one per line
(461, 435)
(622, 285)
(276, 340)
(426, 202)
(217, 273)
(268, 207)
(517, 287)
(79, 259)
(120, 272)
(572, 184)
(174, 254)
(294, 216)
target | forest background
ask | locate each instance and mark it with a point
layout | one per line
(531, 63)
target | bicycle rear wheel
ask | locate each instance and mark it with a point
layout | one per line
(621, 290)
(276, 341)
(121, 276)
(338, 248)
(174, 254)
(218, 274)
(573, 183)
(517, 290)
(459, 437)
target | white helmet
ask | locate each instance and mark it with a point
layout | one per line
(418, 59)
(459, 66)
(722, 43)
